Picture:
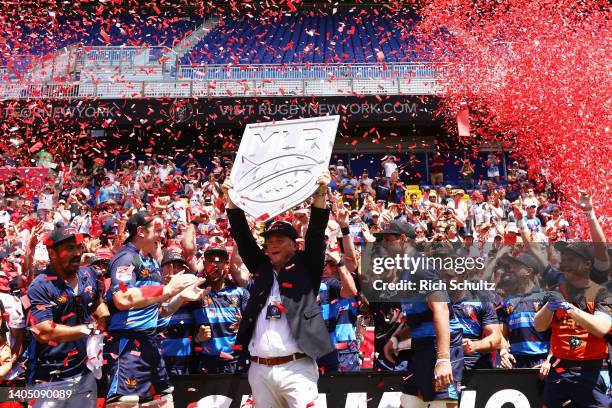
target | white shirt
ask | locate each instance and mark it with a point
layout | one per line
(5, 217)
(333, 232)
(389, 167)
(45, 202)
(180, 208)
(82, 223)
(272, 337)
(16, 320)
(459, 208)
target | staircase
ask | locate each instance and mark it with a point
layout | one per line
(174, 55)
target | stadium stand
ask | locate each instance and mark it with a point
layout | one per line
(307, 38)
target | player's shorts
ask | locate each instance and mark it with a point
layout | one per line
(529, 361)
(177, 365)
(420, 374)
(584, 388)
(215, 365)
(136, 367)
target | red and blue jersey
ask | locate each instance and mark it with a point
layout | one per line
(220, 310)
(517, 312)
(339, 314)
(54, 300)
(129, 269)
(473, 315)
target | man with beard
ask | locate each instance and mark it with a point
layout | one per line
(218, 316)
(138, 374)
(523, 346)
(64, 299)
(435, 358)
(578, 310)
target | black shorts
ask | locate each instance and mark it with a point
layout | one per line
(420, 374)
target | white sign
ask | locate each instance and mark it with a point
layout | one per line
(278, 163)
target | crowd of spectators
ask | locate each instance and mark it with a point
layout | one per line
(483, 216)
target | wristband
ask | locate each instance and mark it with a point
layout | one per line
(340, 264)
(86, 330)
(442, 360)
(394, 342)
(345, 231)
(152, 291)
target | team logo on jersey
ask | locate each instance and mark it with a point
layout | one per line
(124, 273)
(537, 306)
(234, 301)
(89, 291)
(145, 273)
(62, 299)
(574, 342)
(131, 382)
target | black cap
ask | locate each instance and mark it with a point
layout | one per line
(281, 228)
(583, 249)
(173, 255)
(59, 235)
(527, 260)
(140, 219)
(216, 250)
(397, 228)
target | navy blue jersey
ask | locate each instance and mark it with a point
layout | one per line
(473, 315)
(52, 299)
(329, 295)
(219, 310)
(175, 339)
(517, 313)
(418, 315)
(128, 269)
(346, 320)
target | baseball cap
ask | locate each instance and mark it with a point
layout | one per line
(397, 228)
(582, 249)
(281, 228)
(102, 255)
(173, 255)
(62, 234)
(140, 219)
(511, 227)
(527, 260)
(216, 250)
(477, 194)
(109, 227)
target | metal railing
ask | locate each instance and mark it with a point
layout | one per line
(223, 89)
(306, 71)
(93, 57)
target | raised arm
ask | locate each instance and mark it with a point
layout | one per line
(314, 245)
(250, 251)
(238, 270)
(585, 203)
